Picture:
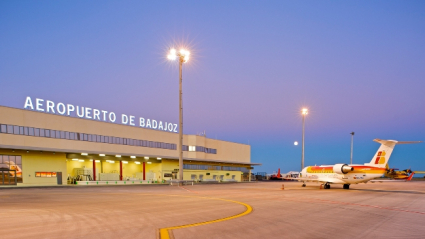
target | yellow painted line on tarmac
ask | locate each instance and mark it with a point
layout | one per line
(164, 233)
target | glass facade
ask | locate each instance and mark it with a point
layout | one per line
(57, 134)
(10, 169)
(213, 167)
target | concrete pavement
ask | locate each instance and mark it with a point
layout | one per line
(380, 210)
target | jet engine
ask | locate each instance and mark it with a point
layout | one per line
(342, 168)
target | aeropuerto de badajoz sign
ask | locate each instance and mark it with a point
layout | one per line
(95, 114)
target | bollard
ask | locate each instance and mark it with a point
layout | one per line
(321, 186)
(283, 186)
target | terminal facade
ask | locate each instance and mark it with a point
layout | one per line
(39, 148)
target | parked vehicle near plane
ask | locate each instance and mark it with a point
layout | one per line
(290, 175)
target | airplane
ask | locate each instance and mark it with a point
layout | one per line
(354, 173)
(400, 175)
(288, 176)
(393, 174)
(276, 176)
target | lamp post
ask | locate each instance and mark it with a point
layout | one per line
(183, 57)
(351, 158)
(304, 112)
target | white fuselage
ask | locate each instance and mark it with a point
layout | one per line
(325, 174)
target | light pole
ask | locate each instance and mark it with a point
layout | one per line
(304, 112)
(183, 57)
(351, 158)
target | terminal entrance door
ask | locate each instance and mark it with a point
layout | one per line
(174, 173)
(8, 177)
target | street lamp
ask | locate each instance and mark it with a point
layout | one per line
(351, 158)
(304, 112)
(183, 57)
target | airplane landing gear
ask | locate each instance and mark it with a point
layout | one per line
(346, 186)
(303, 184)
(327, 186)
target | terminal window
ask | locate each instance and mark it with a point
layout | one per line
(58, 134)
(11, 169)
(45, 174)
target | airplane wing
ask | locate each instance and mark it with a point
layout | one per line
(320, 180)
(394, 180)
(419, 172)
(389, 180)
(304, 179)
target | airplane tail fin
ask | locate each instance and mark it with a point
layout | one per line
(411, 176)
(278, 173)
(384, 152)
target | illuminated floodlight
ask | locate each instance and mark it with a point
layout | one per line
(137, 162)
(81, 160)
(146, 157)
(125, 162)
(133, 157)
(97, 161)
(102, 155)
(85, 154)
(91, 160)
(110, 161)
(183, 55)
(296, 143)
(149, 162)
(172, 56)
(159, 158)
(74, 159)
(118, 156)
(304, 111)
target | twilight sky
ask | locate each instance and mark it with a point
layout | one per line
(357, 65)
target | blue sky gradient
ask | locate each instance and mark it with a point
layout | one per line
(357, 65)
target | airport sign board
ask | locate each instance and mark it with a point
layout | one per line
(60, 108)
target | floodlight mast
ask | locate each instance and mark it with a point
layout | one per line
(304, 112)
(183, 57)
(351, 157)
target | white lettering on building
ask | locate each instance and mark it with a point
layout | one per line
(124, 119)
(39, 104)
(28, 103)
(49, 106)
(71, 108)
(61, 108)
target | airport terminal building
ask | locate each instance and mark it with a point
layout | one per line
(38, 147)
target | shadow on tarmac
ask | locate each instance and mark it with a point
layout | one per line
(387, 191)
